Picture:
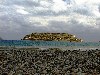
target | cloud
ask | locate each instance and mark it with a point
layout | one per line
(21, 17)
(99, 8)
(21, 11)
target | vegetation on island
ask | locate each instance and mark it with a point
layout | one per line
(52, 37)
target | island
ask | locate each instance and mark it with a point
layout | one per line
(52, 37)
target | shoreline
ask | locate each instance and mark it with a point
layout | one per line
(83, 48)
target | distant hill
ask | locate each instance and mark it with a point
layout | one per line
(1, 38)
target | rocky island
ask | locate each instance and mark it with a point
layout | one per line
(52, 37)
(52, 61)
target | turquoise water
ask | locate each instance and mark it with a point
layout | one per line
(45, 43)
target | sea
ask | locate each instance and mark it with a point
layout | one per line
(51, 44)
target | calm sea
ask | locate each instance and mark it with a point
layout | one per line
(46, 43)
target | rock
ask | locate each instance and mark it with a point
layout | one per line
(4, 74)
(33, 64)
(44, 72)
(11, 72)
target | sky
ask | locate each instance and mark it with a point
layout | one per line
(21, 17)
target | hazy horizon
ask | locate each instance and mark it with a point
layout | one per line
(21, 17)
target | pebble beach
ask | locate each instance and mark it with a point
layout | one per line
(49, 61)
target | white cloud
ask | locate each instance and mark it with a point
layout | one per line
(44, 21)
(19, 7)
(44, 3)
(21, 11)
(59, 5)
(95, 10)
(85, 20)
(79, 2)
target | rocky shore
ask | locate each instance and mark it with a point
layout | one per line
(51, 61)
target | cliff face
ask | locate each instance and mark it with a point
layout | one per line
(52, 37)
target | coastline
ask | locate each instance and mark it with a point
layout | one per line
(62, 48)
